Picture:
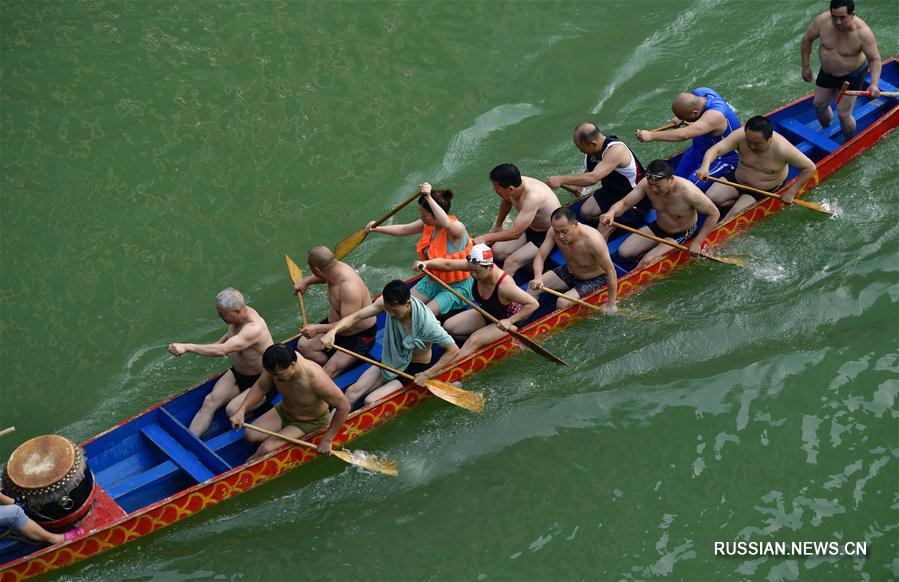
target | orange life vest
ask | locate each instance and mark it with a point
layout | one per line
(430, 247)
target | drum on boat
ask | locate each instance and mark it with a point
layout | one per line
(50, 473)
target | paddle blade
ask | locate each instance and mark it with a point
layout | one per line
(472, 401)
(814, 206)
(539, 349)
(368, 461)
(295, 273)
(347, 245)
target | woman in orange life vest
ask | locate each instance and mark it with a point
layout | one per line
(494, 291)
(442, 237)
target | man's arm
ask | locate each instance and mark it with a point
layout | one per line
(869, 47)
(255, 395)
(522, 221)
(304, 283)
(725, 146)
(798, 160)
(441, 265)
(349, 321)
(247, 336)
(605, 261)
(709, 122)
(540, 258)
(703, 205)
(350, 297)
(805, 48)
(617, 155)
(513, 292)
(327, 390)
(450, 351)
(629, 201)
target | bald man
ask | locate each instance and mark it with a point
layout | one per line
(347, 294)
(711, 119)
(245, 341)
(607, 160)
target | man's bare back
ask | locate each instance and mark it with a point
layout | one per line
(539, 195)
(249, 360)
(347, 295)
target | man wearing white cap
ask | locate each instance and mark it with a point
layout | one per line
(494, 290)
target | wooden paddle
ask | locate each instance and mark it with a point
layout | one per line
(347, 245)
(726, 260)
(7, 430)
(529, 343)
(844, 90)
(797, 202)
(297, 275)
(571, 190)
(468, 400)
(671, 125)
(572, 299)
(358, 458)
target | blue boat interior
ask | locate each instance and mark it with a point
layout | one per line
(155, 456)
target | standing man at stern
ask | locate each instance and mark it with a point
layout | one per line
(847, 51)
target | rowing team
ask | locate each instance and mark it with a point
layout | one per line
(461, 268)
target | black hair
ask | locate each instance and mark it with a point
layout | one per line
(660, 168)
(849, 4)
(396, 293)
(278, 357)
(506, 175)
(563, 212)
(584, 133)
(441, 197)
(761, 124)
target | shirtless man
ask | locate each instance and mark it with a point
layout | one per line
(307, 392)
(589, 265)
(534, 201)
(764, 159)
(246, 339)
(410, 330)
(677, 202)
(347, 294)
(711, 119)
(609, 161)
(847, 50)
(496, 293)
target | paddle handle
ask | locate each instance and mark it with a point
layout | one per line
(571, 189)
(650, 236)
(374, 362)
(671, 125)
(797, 202)
(278, 435)
(7, 430)
(572, 299)
(302, 307)
(398, 208)
(868, 93)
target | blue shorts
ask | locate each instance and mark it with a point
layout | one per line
(12, 517)
(692, 159)
(446, 301)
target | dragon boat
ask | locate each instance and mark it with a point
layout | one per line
(150, 471)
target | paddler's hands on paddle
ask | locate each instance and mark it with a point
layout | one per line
(422, 378)
(371, 226)
(643, 135)
(695, 247)
(506, 325)
(553, 182)
(536, 283)
(311, 330)
(237, 419)
(324, 446)
(607, 219)
(875, 90)
(419, 265)
(328, 339)
(300, 287)
(702, 173)
(609, 307)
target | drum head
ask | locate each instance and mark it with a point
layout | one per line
(41, 462)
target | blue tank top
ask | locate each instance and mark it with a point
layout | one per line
(714, 102)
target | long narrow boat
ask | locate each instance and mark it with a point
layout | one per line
(150, 471)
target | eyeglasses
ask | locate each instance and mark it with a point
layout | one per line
(471, 259)
(656, 177)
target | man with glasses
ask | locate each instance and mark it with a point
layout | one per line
(678, 204)
(765, 157)
(847, 51)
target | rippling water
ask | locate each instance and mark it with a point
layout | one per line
(155, 152)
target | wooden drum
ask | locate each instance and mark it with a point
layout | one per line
(51, 474)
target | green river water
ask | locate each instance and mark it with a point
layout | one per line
(154, 152)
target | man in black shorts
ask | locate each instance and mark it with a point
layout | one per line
(347, 294)
(847, 51)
